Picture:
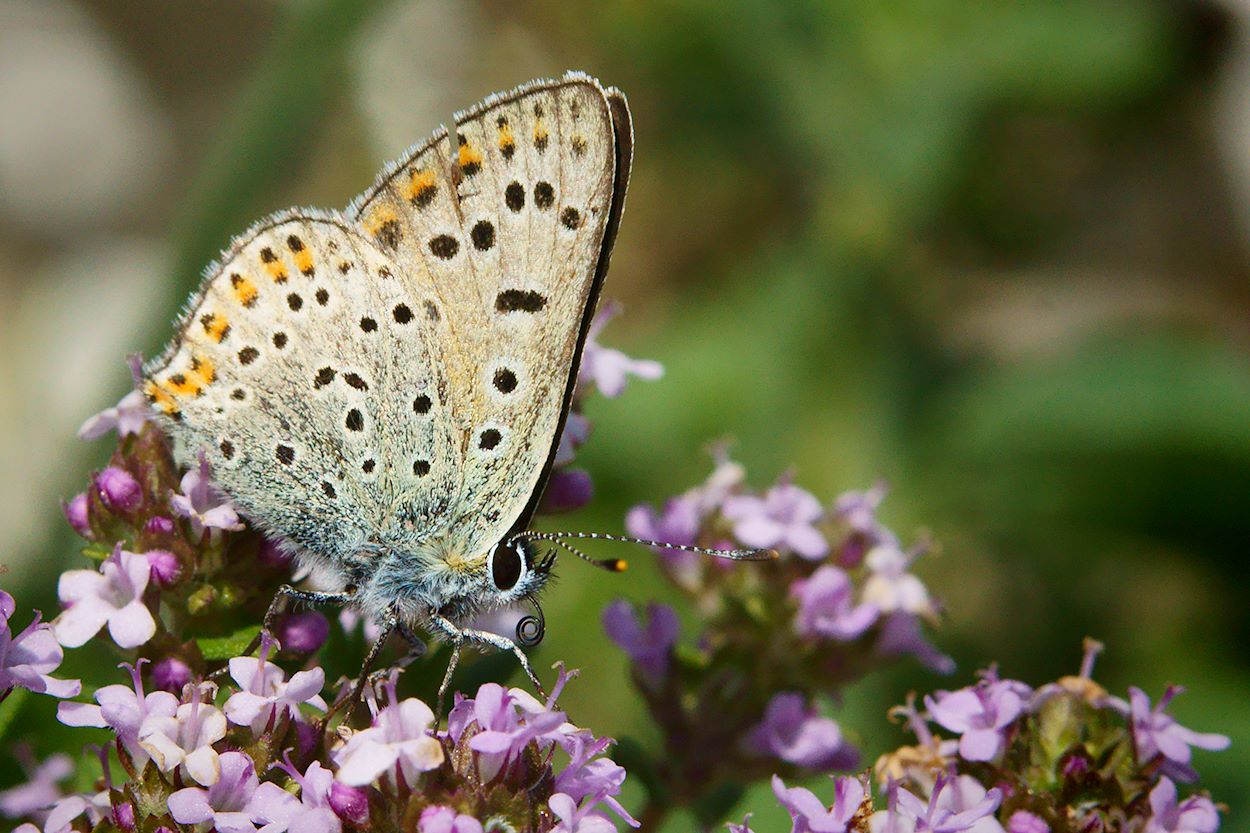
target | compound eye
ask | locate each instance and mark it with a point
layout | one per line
(506, 565)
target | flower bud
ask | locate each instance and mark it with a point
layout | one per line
(159, 525)
(349, 803)
(76, 513)
(569, 489)
(271, 555)
(171, 674)
(119, 490)
(124, 816)
(303, 632)
(165, 567)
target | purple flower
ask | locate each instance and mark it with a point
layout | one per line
(28, 659)
(202, 504)
(265, 694)
(679, 523)
(186, 739)
(827, 608)
(800, 735)
(576, 432)
(126, 417)
(273, 554)
(41, 791)
(1022, 821)
(809, 815)
(650, 646)
(171, 674)
(609, 369)
(858, 510)
(235, 804)
(399, 737)
(980, 714)
(112, 596)
(440, 819)
(568, 490)
(158, 525)
(1156, 733)
(901, 634)
(66, 809)
(122, 709)
(509, 720)
(955, 805)
(312, 812)
(1195, 814)
(891, 587)
(745, 827)
(590, 776)
(784, 518)
(165, 567)
(76, 513)
(119, 490)
(573, 819)
(303, 632)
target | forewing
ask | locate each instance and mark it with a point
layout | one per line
(511, 232)
(305, 371)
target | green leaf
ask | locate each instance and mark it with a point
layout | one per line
(97, 552)
(10, 708)
(231, 645)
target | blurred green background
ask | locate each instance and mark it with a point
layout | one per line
(996, 253)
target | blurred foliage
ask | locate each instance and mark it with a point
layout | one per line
(978, 249)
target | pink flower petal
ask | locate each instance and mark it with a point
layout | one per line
(132, 626)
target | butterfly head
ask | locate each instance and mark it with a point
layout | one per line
(515, 570)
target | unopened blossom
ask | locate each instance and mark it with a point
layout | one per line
(784, 518)
(568, 490)
(586, 818)
(28, 659)
(400, 736)
(827, 607)
(76, 512)
(41, 791)
(798, 734)
(980, 714)
(809, 815)
(112, 596)
(303, 632)
(265, 694)
(1157, 733)
(119, 490)
(186, 739)
(171, 674)
(350, 803)
(237, 803)
(124, 709)
(1022, 821)
(439, 818)
(201, 502)
(890, 587)
(610, 369)
(649, 645)
(126, 417)
(165, 567)
(1196, 814)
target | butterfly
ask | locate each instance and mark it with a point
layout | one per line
(383, 388)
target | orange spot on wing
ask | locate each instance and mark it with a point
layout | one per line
(160, 398)
(506, 143)
(470, 158)
(215, 326)
(244, 290)
(421, 187)
(379, 217)
(304, 261)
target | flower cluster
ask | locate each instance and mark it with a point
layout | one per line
(1064, 757)
(777, 641)
(205, 735)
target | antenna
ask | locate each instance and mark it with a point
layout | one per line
(617, 565)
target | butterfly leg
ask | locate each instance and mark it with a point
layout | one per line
(459, 635)
(276, 606)
(353, 700)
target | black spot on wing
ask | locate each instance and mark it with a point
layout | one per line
(520, 300)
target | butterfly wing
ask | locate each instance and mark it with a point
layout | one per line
(513, 233)
(301, 371)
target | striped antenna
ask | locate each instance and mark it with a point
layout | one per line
(617, 565)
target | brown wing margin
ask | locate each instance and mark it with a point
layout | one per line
(623, 129)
